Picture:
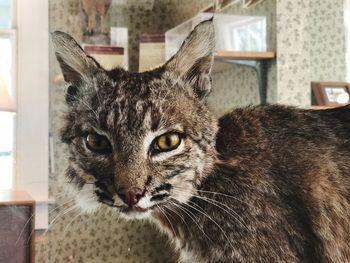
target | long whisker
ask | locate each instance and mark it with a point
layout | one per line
(70, 222)
(25, 225)
(194, 219)
(69, 209)
(210, 218)
(177, 213)
(79, 214)
(222, 206)
(164, 213)
(59, 206)
(218, 193)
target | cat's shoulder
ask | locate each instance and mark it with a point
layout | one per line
(338, 112)
(244, 129)
(253, 114)
(252, 121)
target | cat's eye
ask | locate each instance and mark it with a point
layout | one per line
(168, 141)
(97, 143)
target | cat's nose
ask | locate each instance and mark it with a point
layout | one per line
(130, 195)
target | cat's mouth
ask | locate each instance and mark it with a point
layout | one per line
(124, 209)
(140, 209)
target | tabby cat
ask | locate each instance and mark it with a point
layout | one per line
(261, 184)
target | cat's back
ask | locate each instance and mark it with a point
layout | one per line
(295, 143)
(304, 157)
(275, 126)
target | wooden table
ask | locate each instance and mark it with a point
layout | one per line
(17, 217)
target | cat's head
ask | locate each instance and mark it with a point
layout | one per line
(138, 141)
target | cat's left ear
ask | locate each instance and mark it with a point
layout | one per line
(76, 65)
(193, 62)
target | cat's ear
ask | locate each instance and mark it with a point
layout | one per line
(194, 60)
(76, 66)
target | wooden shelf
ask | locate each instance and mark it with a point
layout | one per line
(253, 59)
(244, 55)
(320, 107)
(314, 107)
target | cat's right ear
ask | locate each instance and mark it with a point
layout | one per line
(194, 60)
(76, 66)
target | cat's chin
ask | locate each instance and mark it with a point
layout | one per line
(134, 213)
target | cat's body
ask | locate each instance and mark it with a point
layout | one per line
(262, 184)
(281, 192)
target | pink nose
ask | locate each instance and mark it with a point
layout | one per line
(130, 195)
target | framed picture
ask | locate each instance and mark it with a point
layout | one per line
(331, 93)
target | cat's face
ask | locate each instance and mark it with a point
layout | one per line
(138, 141)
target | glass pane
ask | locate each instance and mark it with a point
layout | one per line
(6, 62)
(5, 13)
(6, 149)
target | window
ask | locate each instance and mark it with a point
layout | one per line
(248, 34)
(7, 92)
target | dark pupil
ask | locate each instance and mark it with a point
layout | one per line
(168, 140)
(97, 142)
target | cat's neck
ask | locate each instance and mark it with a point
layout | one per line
(184, 222)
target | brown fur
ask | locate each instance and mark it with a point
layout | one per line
(261, 184)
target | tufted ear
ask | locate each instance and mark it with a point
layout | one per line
(194, 60)
(76, 66)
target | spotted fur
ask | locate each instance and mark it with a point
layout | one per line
(261, 184)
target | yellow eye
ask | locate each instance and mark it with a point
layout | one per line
(97, 143)
(168, 141)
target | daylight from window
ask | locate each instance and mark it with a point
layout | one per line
(7, 117)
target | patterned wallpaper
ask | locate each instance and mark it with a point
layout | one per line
(327, 40)
(293, 59)
(310, 45)
(303, 39)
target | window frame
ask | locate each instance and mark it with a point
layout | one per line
(32, 119)
(11, 33)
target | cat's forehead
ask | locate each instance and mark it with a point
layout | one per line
(134, 102)
(148, 85)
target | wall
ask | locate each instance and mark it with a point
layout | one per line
(327, 40)
(293, 59)
(311, 47)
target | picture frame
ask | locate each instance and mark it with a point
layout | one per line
(330, 93)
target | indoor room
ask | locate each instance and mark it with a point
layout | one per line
(145, 131)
